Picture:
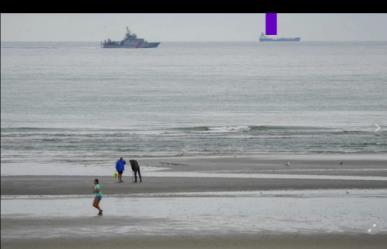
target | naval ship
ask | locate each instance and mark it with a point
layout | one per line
(264, 38)
(130, 41)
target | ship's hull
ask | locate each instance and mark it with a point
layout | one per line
(142, 45)
(297, 39)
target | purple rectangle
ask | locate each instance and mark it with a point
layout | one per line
(271, 23)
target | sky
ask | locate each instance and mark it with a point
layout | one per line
(191, 27)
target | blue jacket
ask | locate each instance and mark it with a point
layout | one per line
(120, 165)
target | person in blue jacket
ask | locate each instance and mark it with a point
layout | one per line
(120, 167)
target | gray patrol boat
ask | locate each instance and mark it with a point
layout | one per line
(130, 41)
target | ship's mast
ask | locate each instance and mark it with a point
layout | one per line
(127, 33)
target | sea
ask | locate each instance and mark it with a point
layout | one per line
(72, 103)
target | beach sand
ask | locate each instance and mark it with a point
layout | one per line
(81, 185)
(342, 241)
(275, 165)
(75, 185)
(367, 165)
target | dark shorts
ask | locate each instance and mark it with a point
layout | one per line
(120, 172)
(98, 198)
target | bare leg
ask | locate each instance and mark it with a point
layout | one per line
(120, 177)
(96, 205)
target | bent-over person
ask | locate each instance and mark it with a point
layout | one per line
(136, 169)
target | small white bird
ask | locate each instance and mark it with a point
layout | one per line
(288, 164)
(377, 127)
(370, 229)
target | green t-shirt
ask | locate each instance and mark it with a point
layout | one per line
(98, 190)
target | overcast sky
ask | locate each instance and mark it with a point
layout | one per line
(190, 27)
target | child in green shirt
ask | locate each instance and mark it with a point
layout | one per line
(98, 196)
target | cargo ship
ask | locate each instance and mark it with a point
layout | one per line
(264, 38)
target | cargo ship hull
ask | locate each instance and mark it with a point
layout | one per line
(264, 38)
(297, 39)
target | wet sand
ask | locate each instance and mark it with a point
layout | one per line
(362, 166)
(81, 185)
(341, 241)
(215, 213)
(74, 185)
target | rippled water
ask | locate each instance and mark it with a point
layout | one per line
(75, 102)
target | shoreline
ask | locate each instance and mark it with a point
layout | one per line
(341, 165)
(209, 174)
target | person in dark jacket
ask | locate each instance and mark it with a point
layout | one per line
(136, 169)
(120, 167)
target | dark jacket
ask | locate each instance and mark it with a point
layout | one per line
(134, 165)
